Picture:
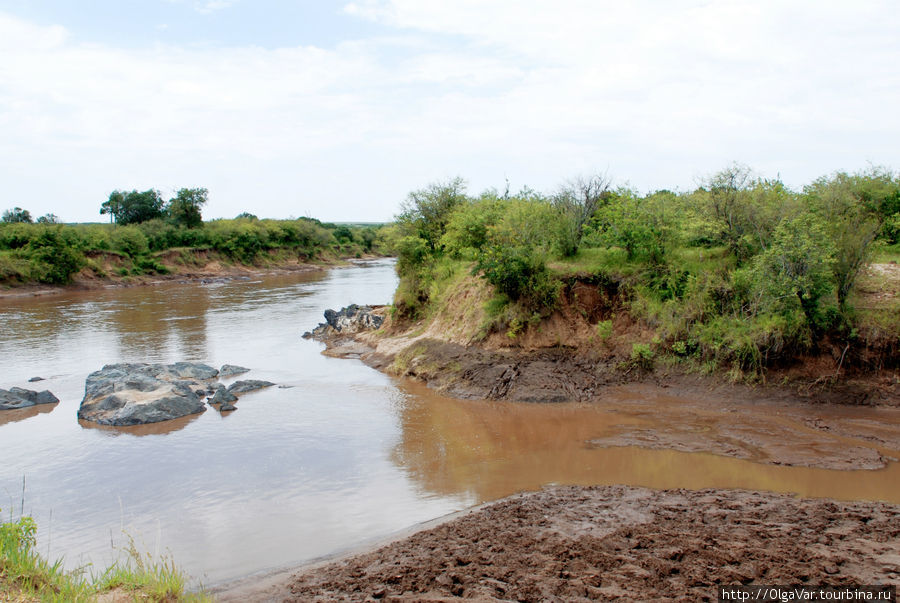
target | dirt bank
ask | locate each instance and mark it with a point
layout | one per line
(199, 266)
(615, 543)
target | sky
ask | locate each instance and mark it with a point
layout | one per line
(337, 110)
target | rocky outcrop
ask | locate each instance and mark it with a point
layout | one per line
(348, 321)
(139, 393)
(17, 397)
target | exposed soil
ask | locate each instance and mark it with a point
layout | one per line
(196, 265)
(614, 543)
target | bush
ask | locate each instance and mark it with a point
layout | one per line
(129, 240)
(642, 356)
(521, 275)
(55, 261)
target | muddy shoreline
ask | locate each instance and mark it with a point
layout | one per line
(792, 424)
(601, 543)
(213, 272)
(612, 543)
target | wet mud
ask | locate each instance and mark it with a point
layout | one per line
(617, 543)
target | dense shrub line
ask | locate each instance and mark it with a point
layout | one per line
(740, 272)
(53, 253)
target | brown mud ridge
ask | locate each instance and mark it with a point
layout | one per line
(615, 543)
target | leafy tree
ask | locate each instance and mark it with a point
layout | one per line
(49, 219)
(17, 215)
(245, 216)
(184, 208)
(855, 210)
(747, 209)
(640, 226)
(426, 212)
(343, 234)
(795, 271)
(577, 202)
(468, 228)
(133, 207)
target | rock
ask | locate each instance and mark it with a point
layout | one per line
(17, 397)
(222, 396)
(240, 387)
(229, 370)
(348, 321)
(227, 406)
(192, 370)
(139, 393)
(35, 379)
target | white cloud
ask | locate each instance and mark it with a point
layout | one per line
(213, 5)
(656, 92)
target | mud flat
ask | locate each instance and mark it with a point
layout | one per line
(613, 543)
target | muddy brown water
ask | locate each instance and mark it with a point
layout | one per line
(340, 454)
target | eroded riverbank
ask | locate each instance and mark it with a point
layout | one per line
(851, 426)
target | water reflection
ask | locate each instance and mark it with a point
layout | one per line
(171, 319)
(493, 449)
(20, 414)
(160, 428)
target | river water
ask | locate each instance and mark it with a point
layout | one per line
(337, 456)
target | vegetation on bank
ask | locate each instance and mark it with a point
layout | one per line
(54, 253)
(26, 576)
(742, 273)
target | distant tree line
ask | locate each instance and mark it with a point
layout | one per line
(184, 209)
(144, 227)
(17, 215)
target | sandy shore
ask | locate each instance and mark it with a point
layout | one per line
(612, 543)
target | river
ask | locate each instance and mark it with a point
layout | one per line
(337, 456)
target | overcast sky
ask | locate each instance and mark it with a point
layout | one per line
(336, 110)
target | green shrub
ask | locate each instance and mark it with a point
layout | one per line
(129, 240)
(520, 274)
(54, 261)
(642, 356)
(604, 329)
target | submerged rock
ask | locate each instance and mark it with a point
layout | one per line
(17, 397)
(240, 387)
(222, 396)
(229, 370)
(139, 393)
(347, 321)
(35, 379)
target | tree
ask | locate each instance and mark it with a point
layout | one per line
(578, 201)
(184, 208)
(133, 207)
(17, 215)
(426, 212)
(795, 271)
(49, 219)
(641, 226)
(747, 209)
(855, 209)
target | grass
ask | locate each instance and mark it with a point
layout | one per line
(26, 576)
(886, 253)
(595, 260)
